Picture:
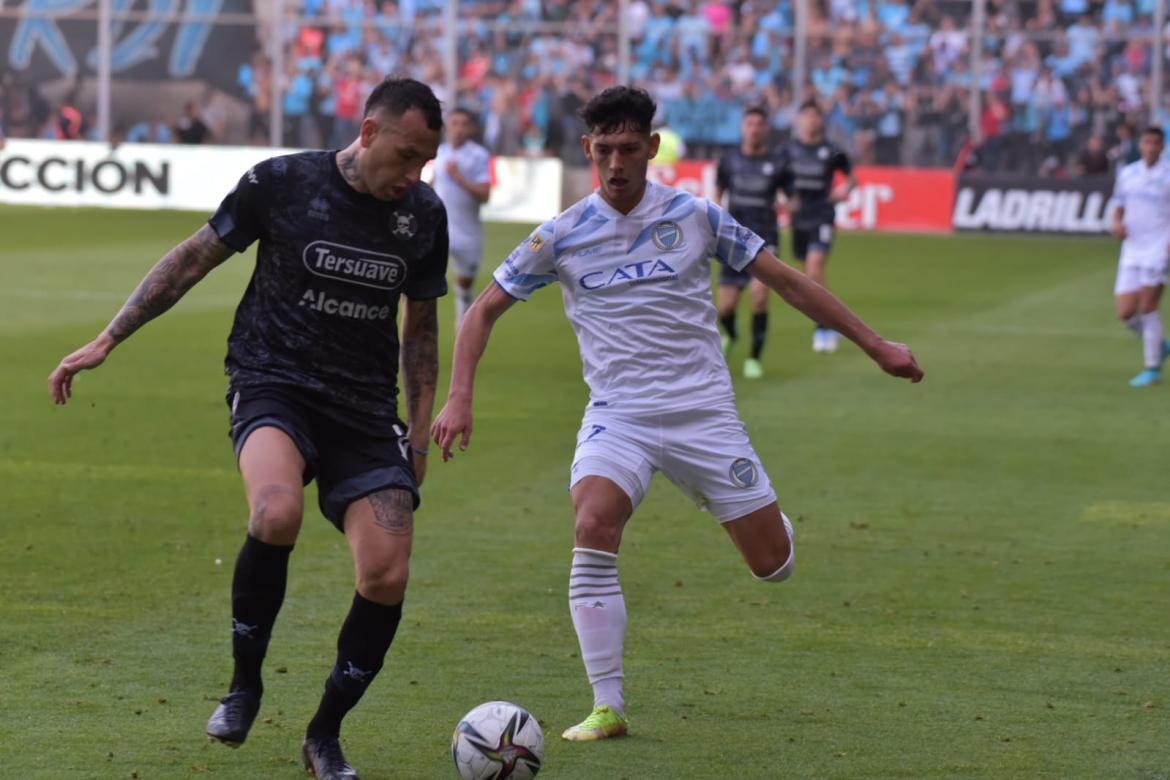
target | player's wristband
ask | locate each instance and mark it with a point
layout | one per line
(420, 450)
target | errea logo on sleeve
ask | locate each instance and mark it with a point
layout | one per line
(354, 265)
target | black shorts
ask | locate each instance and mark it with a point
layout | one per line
(818, 237)
(728, 276)
(350, 455)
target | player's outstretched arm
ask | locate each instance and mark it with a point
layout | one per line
(455, 418)
(420, 374)
(172, 276)
(822, 306)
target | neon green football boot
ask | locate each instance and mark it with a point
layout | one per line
(602, 723)
(752, 369)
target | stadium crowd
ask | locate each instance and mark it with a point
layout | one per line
(1056, 77)
(894, 76)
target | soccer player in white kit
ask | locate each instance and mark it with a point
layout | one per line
(633, 260)
(463, 182)
(1142, 222)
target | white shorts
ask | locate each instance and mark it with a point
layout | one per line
(1133, 277)
(466, 259)
(706, 453)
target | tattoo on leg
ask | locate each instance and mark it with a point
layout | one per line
(393, 511)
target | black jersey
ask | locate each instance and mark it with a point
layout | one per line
(808, 171)
(751, 182)
(320, 311)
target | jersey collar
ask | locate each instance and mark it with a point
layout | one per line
(603, 206)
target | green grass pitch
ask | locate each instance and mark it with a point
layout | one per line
(981, 588)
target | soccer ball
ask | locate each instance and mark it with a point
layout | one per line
(497, 740)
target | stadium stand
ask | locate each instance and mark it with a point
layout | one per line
(895, 77)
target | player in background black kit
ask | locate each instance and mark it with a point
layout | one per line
(312, 362)
(809, 165)
(750, 178)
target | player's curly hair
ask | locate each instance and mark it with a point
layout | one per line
(619, 108)
(397, 96)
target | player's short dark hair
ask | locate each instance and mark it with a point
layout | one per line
(619, 108)
(467, 112)
(755, 109)
(811, 104)
(1155, 130)
(397, 96)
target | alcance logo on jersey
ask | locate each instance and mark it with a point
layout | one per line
(354, 265)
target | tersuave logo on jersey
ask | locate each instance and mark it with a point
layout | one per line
(353, 265)
(642, 272)
(354, 310)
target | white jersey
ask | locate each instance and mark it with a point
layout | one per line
(637, 290)
(474, 162)
(1144, 192)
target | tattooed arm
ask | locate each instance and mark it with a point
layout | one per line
(420, 373)
(172, 276)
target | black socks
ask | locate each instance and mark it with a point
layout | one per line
(361, 648)
(759, 333)
(257, 593)
(728, 323)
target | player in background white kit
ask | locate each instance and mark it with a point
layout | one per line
(463, 182)
(1142, 222)
(633, 260)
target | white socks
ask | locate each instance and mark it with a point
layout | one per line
(464, 296)
(599, 617)
(785, 571)
(1152, 339)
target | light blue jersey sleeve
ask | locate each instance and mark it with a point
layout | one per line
(734, 245)
(531, 265)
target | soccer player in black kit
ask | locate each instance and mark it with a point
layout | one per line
(809, 163)
(312, 363)
(750, 177)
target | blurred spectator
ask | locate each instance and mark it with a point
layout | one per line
(1093, 161)
(25, 109)
(299, 124)
(992, 126)
(255, 78)
(1125, 150)
(70, 122)
(149, 132)
(947, 44)
(889, 125)
(190, 129)
(347, 106)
